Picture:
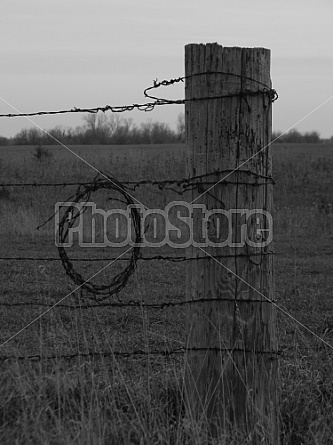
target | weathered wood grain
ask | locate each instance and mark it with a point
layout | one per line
(231, 334)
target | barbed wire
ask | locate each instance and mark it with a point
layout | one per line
(138, 352)
(102, 180)
(176, 259)
(42, 184)
(108, 182)
(67, 222)
(161, 184)
(131, 303)
(164, 353)
(157, 101)
(270, 92)
(184, 185)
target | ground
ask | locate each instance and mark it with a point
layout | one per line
(67, 377)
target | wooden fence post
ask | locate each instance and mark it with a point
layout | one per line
(231, 359)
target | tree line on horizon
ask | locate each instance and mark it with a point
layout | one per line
(102, 129)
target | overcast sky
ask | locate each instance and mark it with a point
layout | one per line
(59, 54)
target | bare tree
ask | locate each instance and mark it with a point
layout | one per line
(90, 121)
(181, 127)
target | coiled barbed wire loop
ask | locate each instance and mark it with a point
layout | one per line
(103, 291)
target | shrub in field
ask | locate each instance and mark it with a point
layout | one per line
(40, 153)
(4, 193)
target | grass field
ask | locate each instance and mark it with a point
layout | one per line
(102, 397)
